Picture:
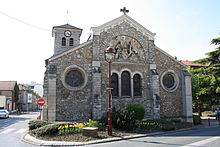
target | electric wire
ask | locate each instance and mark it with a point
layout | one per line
(28, 24)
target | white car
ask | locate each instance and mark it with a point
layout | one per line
(4, 114)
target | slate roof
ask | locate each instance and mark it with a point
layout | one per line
(67, 26)
(7, 85)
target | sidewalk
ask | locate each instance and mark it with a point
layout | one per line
(209, 121)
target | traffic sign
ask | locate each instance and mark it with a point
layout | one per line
(40, 102)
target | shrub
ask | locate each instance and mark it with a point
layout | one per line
(138, 111)
(176, 120)
(168, 127)
(34, 124)
(196, 120)
(126, 119)
(50, 129)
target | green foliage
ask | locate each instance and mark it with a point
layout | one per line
(138, 111)
(34, 124)
(169, 127)
(176, 120)
(49, 129)
(126, 119)
(196, 120)
(16, 89)
(206, 80)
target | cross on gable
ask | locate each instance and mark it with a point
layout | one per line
(124, 10)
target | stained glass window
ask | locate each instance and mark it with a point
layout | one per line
(114, 84)
(168, 81)
(125, 84)
(74, 78)
(137, 85)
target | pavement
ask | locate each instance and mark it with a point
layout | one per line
(206, 122)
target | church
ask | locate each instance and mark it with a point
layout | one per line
(76, 76)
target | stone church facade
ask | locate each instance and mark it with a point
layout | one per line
(75, 82)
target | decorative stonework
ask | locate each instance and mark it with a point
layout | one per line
(169, 80)
(74, 78)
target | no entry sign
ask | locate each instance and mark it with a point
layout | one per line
(40, 102)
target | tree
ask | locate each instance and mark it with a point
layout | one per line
(206, 80)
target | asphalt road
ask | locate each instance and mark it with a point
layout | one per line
(13, 128)
(200, 137)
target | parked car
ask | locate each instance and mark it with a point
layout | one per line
(4, 114)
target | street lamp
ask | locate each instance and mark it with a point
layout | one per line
(109, 56)
(198, 106)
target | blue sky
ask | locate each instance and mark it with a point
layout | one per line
(184, 28)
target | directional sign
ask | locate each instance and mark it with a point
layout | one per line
(40, 102)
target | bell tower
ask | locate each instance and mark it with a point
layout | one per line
(66, 37)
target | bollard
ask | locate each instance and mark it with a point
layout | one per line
(209, 121)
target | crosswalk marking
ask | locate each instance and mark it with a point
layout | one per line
(14, 131)
(6, 131)
(202, 142)
(20, 131)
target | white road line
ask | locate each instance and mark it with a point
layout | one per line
(20, 131)
(199, 143)
(6, 131)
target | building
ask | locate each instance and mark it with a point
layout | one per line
(37, 88)
(9, 90)
(194, 65)
(75, 82)
(27, 98)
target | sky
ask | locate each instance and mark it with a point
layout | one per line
(184, 28)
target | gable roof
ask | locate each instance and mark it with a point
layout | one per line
(70, 50)
(117, 21)
(67, 26)
(7, 85)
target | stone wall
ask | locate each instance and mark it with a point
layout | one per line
(74, 105)
(170, 102)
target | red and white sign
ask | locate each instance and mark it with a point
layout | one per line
(40, 102)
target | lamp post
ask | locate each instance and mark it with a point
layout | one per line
(109, 56)
(198, 106)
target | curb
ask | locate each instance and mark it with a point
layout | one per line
(34, 141)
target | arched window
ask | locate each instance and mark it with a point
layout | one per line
(71, 42)
(114, 85)
(137, 85)
(125, 84)
(63, 41)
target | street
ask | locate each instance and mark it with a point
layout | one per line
(201, 137)
(13, 129)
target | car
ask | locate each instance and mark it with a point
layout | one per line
(4, 114)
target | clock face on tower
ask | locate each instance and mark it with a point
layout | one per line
(67, 33)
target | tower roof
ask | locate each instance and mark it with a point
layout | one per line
(67, 26)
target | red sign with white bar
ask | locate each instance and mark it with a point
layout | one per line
(40, 102)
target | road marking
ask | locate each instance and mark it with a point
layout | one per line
(20, 131)
(6, 131)
(199, 143)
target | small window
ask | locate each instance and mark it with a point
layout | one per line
(125, 84)
(114, 85)
(137, 85)
(169, 81)
(63, 41)
(71, 42)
